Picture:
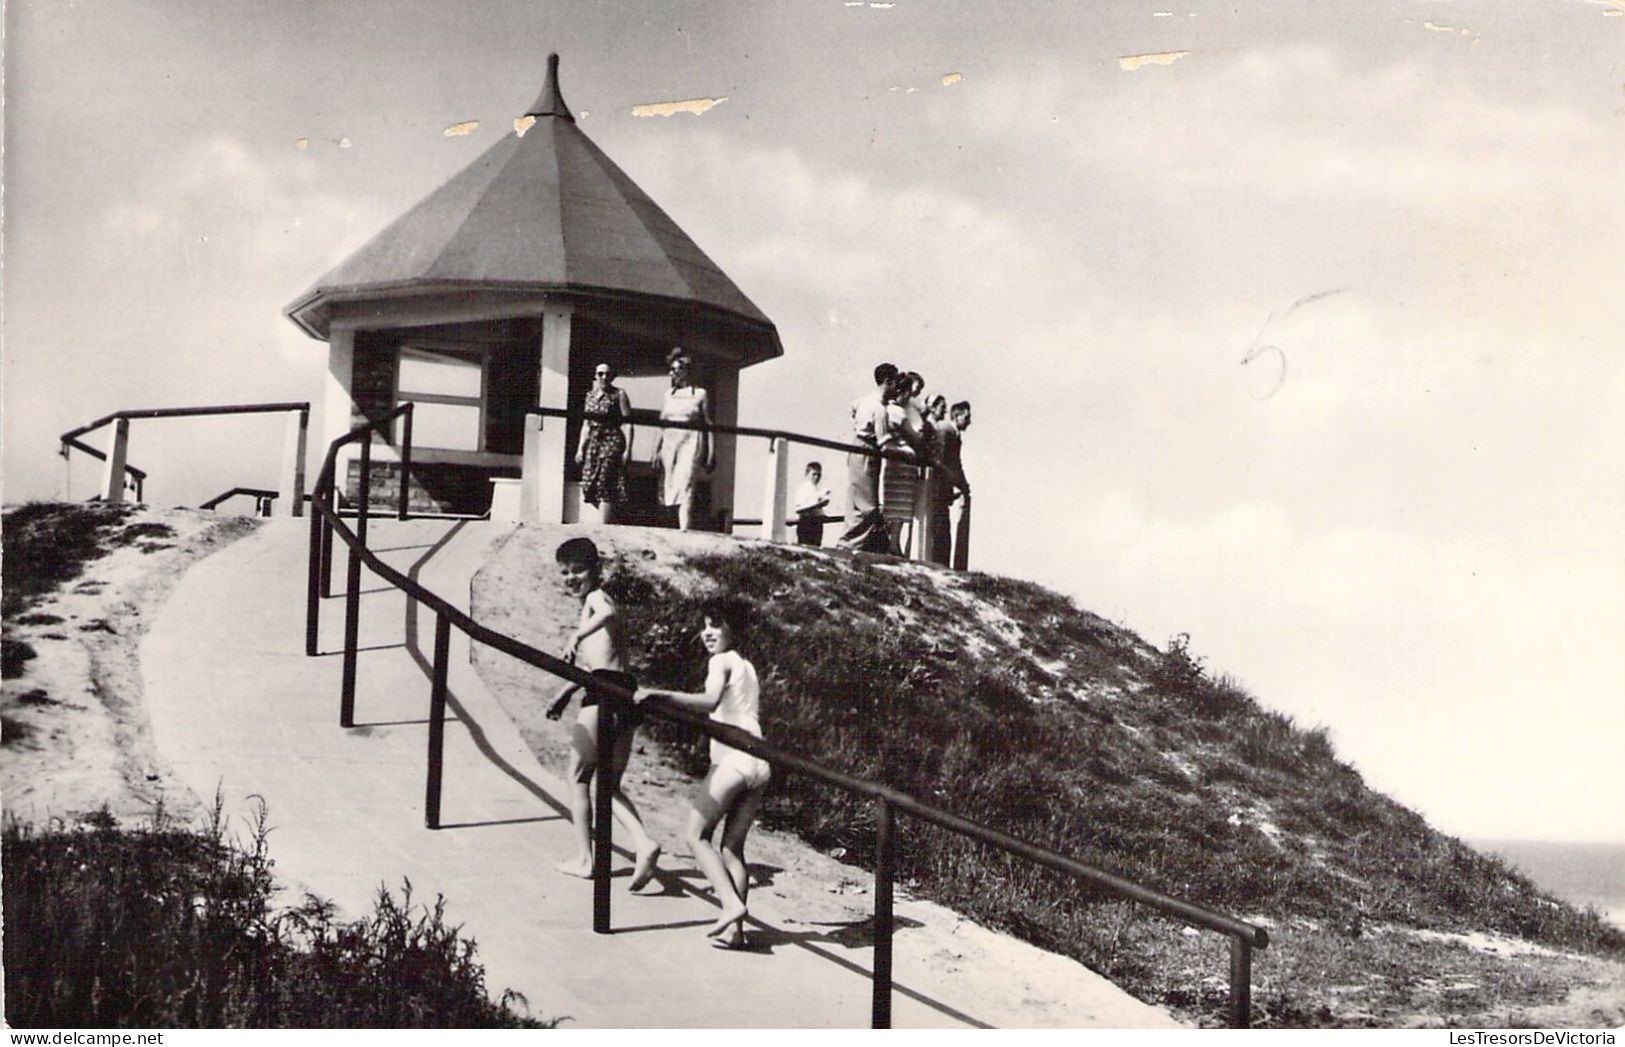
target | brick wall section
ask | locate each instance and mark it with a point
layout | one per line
(434, 488)
(372, 381)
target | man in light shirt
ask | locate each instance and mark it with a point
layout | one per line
(812, 502)
(866, 529)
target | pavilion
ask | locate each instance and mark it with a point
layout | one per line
(500, 291)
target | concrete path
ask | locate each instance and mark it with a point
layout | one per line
(237, 706)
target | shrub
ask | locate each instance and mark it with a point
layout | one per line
(48, 543)
(107, 928)
(14, 657)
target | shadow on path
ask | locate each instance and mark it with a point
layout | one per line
(425, 664)
(859, 934)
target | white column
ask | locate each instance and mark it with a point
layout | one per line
(724, 394)
(921, 527)
(117, 455)
(542, 488)
(773, 491)
(292, 486)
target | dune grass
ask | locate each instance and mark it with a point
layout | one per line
(47, 544)
(160, 927)
(166, 927)
(1063, 729)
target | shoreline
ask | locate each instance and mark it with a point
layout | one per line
(1585, 873)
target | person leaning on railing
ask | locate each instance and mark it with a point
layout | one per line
(897, 431)
(734, 787)
(866, 530)
(947, 474)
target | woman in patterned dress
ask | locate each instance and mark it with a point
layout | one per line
(900, 481)
(682, 452)
(605, 445)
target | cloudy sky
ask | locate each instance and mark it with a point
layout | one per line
(1303, 338)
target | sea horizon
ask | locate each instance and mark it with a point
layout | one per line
(1584, 873)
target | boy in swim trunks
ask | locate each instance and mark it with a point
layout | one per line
(596, 645)
(737, 781)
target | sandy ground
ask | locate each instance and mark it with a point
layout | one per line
(87, 742)
(829, 892)
(87, 745)
(1027, 987)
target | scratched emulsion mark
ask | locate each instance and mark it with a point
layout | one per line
(467, 127)
(687, 105)
(950, 79)
(1437, 27)
(1129, 63)
(301, 143)
(521, 124)
(1256, 351)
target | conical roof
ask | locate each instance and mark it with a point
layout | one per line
(546, 211)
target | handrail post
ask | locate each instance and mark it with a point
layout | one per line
(117, 453)
(603, 815)
(774, 489)
(293, 462)
(352, 594)
(313, 586)
(885, 849)
(330, 498)
(1241, 982)
(406, 458)
(437, 719)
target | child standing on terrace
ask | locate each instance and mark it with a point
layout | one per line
(734, 787)
(596, 645)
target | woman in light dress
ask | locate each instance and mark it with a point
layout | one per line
(681, 453)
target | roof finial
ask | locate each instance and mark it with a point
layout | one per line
(550, 102)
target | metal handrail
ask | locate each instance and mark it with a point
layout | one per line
(259, 494)
(79, 445)
(183, 412)
(70, 440)
(321, 529)
(727, 430)
(75, 444)
(1244, 937)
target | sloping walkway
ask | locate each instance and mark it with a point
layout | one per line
(236, 706)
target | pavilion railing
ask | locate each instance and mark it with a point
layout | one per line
(114, 484)
(773, 520)
(262, 498)
(326, 522)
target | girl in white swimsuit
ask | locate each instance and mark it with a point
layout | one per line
(734, 787)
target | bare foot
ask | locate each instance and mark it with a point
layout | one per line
(733, 912)
(736, 940)
(579, 867)
(644, 870)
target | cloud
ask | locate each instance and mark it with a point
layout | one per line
(1303, 121)
(216, 202)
